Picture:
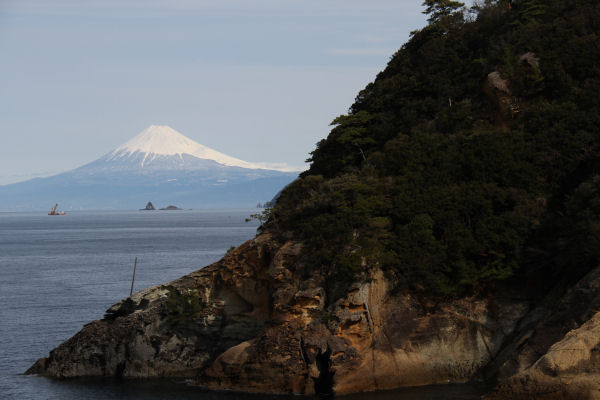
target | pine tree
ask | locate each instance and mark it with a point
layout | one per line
(530, 10)
(439, 10)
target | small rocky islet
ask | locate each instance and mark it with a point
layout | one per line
(150, 207)
(171, 208)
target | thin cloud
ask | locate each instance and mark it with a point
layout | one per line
(282, 167)
(146, 8)
(14, 178)
(377, 39)
(364, 51)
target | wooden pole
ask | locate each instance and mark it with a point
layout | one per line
(133, 277)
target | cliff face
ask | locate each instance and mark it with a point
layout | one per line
(367, 340)
(557, 352)
(250, 323)
(174, 329)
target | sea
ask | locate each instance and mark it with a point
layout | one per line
(58, 273)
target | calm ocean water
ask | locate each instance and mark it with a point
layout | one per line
(59, 272)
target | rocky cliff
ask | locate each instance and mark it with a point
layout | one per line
(556, 354)
(251, 322)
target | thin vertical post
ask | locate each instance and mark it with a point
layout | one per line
(133, 277)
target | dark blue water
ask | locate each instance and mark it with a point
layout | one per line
(60, 272)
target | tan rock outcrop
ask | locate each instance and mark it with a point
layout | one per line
(569, 370)
(255, 322)
(557, 354)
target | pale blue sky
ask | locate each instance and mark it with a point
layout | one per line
(256, 79)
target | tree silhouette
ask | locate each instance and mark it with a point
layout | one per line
(440, 9)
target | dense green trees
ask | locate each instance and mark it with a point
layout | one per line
(430, 178)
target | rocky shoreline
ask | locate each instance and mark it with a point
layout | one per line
(251, 323)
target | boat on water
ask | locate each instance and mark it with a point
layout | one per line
(54, 212)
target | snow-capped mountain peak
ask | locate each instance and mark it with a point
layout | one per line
(161, 165)
(158, 141)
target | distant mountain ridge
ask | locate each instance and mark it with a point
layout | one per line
(159, 164)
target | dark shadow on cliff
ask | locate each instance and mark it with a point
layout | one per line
(324, 383)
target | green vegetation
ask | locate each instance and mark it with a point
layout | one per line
(230, 249)
(440, 10)
(443, 185)
(182, 307)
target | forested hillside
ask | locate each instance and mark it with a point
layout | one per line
(472, 158)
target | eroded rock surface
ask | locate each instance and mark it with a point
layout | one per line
(570, 369)
(557, 352)
(251, 322)
(174, 329)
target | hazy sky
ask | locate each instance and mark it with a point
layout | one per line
(256, 79)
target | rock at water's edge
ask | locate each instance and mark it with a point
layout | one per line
(171, 208)
(249, 322)
(149, 207)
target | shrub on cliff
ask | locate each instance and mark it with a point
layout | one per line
(182, 307)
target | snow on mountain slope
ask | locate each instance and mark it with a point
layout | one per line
(160, 142)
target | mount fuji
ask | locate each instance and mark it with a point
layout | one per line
(159, 165)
